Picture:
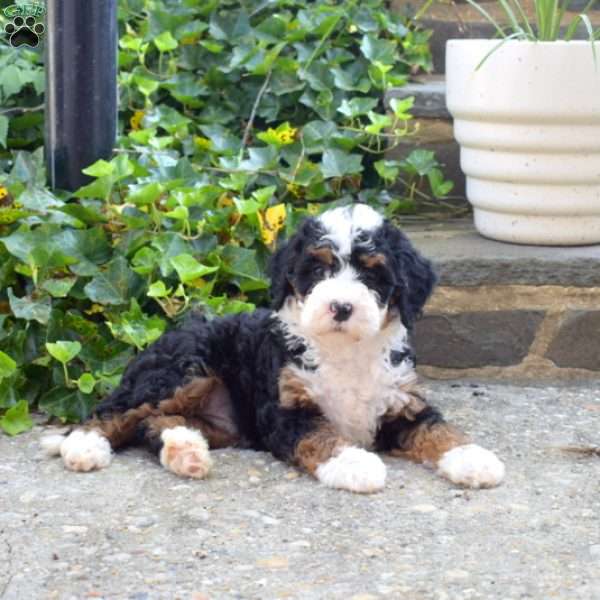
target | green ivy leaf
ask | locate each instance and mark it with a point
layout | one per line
(388, 169)
(357, 106)
(16, 419)
(420, 162)
(337, 163)
(402, 106)
(439, 186)
(378, 50)
(114, 285)
(86, 383)
(7, 365)
(68, 405)
(100, 188)
(145, 261)
(30, 308)
(136, 328)
(146, 85)
(188, 268)
(158, 290)
(142, 195)
(100, 168)
(165, 42)
(241, 262)
(260, 158)
(3, 130)
(169, 245)
(59, 288)
(378, 122)
(63, 351)
(179, 213)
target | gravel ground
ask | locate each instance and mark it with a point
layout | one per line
(258, 529)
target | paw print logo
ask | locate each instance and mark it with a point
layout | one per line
(24, 31)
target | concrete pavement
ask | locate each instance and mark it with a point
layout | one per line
(257, 529)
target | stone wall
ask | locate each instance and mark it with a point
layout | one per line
(511, 332)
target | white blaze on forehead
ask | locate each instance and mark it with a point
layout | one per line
(344, 223)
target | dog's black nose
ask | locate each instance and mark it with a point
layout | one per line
(341, 311)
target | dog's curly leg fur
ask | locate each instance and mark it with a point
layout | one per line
(430, 440)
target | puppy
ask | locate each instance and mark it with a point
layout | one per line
(323, 381)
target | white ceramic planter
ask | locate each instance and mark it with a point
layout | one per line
(528, 123)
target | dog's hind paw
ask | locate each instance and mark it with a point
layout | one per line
(353, 469)
(471, 466)
(83, 450)
(185, 452)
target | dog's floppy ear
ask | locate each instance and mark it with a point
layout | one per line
(284, 261)
(414, 275)
(281, 270)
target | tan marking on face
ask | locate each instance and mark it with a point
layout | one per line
(428, 443)
(319, 446)
(372, 260)
(323, 253)
(293, 392)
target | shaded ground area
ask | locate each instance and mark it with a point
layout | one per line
(256, 529)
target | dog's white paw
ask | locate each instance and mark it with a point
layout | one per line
(83, 450)
(185, 452)
(353, 469)
(471, 466)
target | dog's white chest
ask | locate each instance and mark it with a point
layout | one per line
(356, 384)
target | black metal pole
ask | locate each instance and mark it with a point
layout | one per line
(81, 87)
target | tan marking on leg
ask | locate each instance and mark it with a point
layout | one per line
(156, 425)
(427, 443)
(206, 405)
(120, 429)
(293, 392)
(318, 447)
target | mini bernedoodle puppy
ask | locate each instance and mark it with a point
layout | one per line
(324, 381)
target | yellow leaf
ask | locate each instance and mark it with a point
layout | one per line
(188, 40)
(136, 119)
(202, 142)
(287, 136)
(3, 192)
(95, 308)
(271, 222)
(295, 189)
(225, 200)
(197, 283)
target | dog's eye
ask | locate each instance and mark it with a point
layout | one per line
(318, 271)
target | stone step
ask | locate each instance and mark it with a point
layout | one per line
(507, 311)
(429, 93)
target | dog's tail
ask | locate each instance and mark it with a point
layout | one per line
(52, 442)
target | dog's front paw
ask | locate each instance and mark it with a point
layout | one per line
(185, 452)
(353, 469)
(471, 466)
(85, 450)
